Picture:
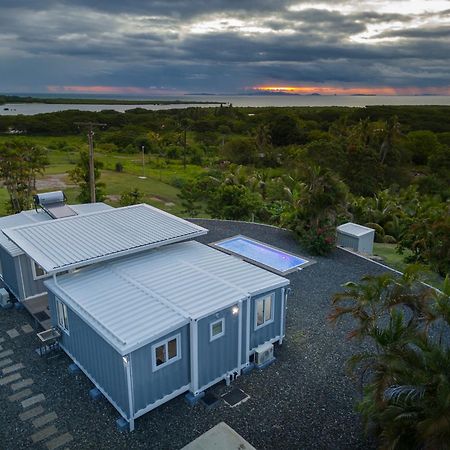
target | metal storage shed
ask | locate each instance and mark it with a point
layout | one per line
(356, 237)
(117, 314)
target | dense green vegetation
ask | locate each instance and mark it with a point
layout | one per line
(405, 371)
(92, 101)
(307, 169)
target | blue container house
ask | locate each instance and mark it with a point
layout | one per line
(146, 312)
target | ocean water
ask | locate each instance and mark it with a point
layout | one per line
(235, 100)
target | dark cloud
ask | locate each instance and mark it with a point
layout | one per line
(218, 45)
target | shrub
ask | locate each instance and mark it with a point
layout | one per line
(317, 240)
(119, 167)
(388, 239)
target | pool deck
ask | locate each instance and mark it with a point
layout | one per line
(305, 400)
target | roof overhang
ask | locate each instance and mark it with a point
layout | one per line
(73, 242)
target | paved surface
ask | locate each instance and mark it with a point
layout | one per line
(302, 401)
(220, 437)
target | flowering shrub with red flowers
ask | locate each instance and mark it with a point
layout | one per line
(319, 240)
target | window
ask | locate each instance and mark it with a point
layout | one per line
(216, 329)
(38, 271)
(63, 317)
(166, 352)
(264, 311)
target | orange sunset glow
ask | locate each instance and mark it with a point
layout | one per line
(334, 90)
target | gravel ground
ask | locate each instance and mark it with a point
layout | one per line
(302, 401)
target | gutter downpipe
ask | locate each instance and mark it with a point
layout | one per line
(248, 330)
(127, 363)
(239, 352)
(194, 356)
(283, 295)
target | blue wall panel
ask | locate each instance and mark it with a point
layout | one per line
(97, 357)
(151, 386)
(10, 269)
(219, 356)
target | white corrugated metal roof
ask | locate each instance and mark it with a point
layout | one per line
(132, 301)
(33, 216)
(353, 229)
(76, 241)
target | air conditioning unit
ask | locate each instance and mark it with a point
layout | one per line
(264, 355)
(4, 298)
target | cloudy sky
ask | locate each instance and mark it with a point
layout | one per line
(225, 46)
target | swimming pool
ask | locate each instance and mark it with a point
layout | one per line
(262, 254)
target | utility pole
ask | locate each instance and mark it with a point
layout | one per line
(184, 151)
(90, 126)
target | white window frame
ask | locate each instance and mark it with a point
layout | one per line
(62, 316)
(272, 310)
(211, 325)
(165, 343)
(33, 270)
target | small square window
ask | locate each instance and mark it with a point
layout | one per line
(166, 352)
(216, 329)
(264, 311)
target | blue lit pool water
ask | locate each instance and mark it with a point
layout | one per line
(262, 254)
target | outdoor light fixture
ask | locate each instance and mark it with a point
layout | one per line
(235, 310)
(125, 359)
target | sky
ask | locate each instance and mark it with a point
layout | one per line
(165, 47)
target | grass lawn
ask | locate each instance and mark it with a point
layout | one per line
(390, 256)
(158, 189)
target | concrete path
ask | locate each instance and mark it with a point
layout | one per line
(42, 423)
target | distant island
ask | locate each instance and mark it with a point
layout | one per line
(94, 101)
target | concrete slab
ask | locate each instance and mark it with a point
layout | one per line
(13, 368)
(6, 353)
(44, 420)
(27, 328)
(5, 362)
(44, 434)
(21, 384)
(31, 413)
(33, 400)
(59, 441)
(10, 379)
(220, 437)
(20, 395)
(12, 333)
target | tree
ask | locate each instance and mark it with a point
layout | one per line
(233, 202)
(421, 145)
(405, 368)
(133, 197)
(240, 150)
(20, 163)
(313, 205)
(190, 196)
(80, 176)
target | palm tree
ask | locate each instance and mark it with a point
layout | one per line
(406, 370)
